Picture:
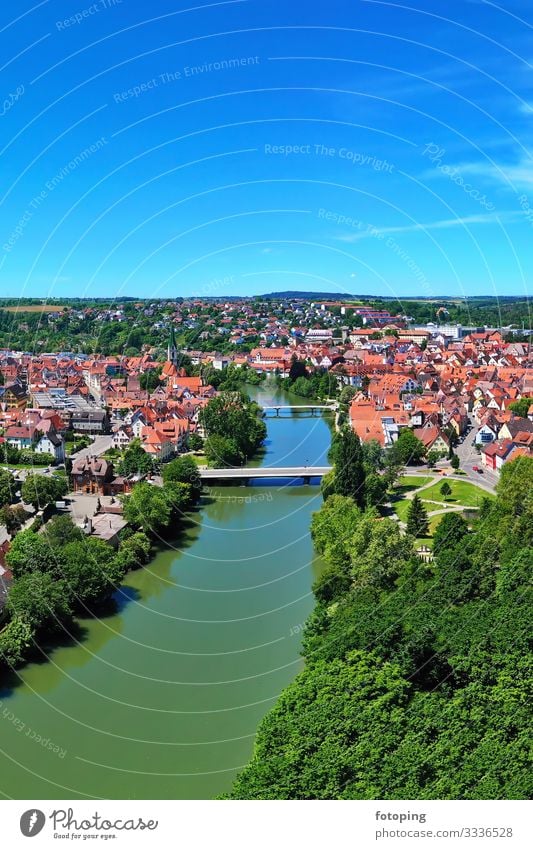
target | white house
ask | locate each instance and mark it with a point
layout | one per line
(53, 444)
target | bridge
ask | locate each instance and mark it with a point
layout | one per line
(247, 474)
(312, 407)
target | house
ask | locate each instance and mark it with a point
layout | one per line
(122, 437)
(493, 456)
(90, 421)
(92, 475)
(51, 443)
(19, 437)
(156, 443)
(516, 425)
(12, 396)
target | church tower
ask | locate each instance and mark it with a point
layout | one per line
(172, 349)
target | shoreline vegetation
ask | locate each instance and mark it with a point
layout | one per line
(412, 687)
(61, 574)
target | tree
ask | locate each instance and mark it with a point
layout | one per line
(520, 408)
(7, 488)
(91, 571)
(445, 490)
(30, 552)
(221, 451)
(147, 508)
(455, 462)
(150, 380)
(13, 517)
(135, 460)
(15, 641)
(234, 417)
(303, 387)
(40, 600)
(433, 457)
(184, 470)
(297, 368)
(196, 442)
(417, 518)
(515, 487)
(349, 478)
(347, 394)
(61, 530)
(408, 448)
(40, 490)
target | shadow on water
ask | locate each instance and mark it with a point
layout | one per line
(104, 622)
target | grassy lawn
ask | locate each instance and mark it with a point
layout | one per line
(23, 466)
(408, 483)
(433, 522)
(463, 492)
(400, 508)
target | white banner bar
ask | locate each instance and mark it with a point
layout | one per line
(267, 825)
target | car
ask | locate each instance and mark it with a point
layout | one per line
(475, 468)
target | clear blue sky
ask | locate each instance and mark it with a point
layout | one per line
(173, 148)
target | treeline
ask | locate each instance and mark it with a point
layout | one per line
(234, 429)
(309, 384)
(61, 573)
(417, 683)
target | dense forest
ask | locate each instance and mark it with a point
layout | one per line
(417, 675)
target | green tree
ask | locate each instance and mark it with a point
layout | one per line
(455, 462)
(184, 470)
(13, 517)
(40, 490)
(520, 408)
(7, 488)
(222, 451)
(135, 460)
(515, 487)
(349, 477)
(15, 641)
(196, 442)
(417, 518)
(91, 571)
(148, 508)
(232, 416)
(408, 448)
(445, 490)
(433, 457)
(41, 600)
(61, 530)
(30, 552)
(450, 531)
(150, 380)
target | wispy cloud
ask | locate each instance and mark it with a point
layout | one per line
(514, 176)
(442, 224)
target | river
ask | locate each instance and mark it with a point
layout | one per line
(162, 698)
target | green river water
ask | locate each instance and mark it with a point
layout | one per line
(162, 698)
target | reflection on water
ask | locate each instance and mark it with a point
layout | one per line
(161, 698)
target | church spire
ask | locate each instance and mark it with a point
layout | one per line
(172, 349)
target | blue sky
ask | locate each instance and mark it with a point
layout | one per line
(240, 147)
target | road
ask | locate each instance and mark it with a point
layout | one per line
(100, 445)
(469, 457)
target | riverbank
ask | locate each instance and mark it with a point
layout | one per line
(162, 698)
